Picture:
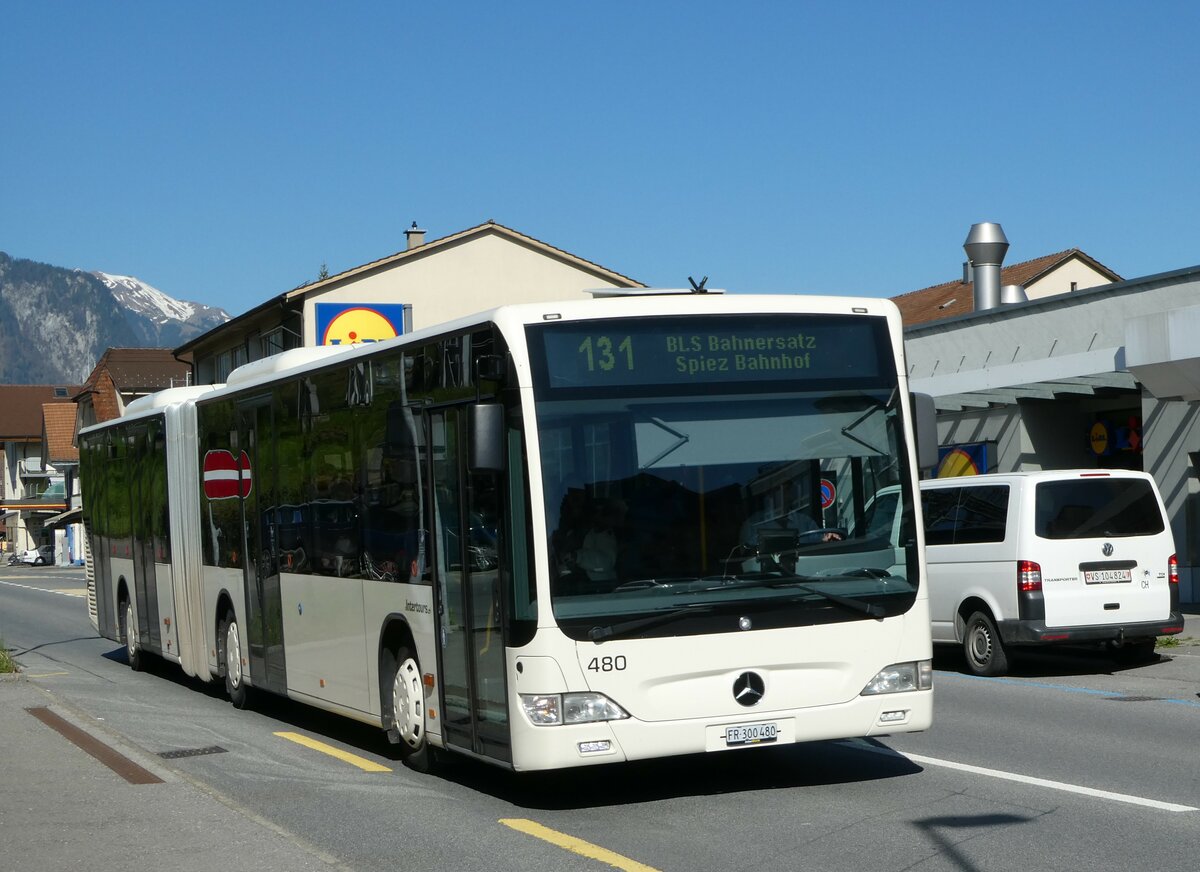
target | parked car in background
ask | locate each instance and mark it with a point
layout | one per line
(40, 556)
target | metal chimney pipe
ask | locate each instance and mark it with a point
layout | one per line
(986, 246)
(1010, 294)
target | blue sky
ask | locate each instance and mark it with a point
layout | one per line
(224, 151)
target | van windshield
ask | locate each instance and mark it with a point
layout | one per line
(1097, 507)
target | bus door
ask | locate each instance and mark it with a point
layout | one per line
(140, 468)
(465, 510)
(264, 605)
(102, 456)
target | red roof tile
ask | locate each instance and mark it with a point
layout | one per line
(958, 298)
(21, 408)
(60, 433)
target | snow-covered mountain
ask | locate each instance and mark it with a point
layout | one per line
(56, 322)
(145, 299)
(175, 320)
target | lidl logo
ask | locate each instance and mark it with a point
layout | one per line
(972, 458)
(352, 323)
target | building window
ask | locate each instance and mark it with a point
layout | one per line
(224, 366)
(272, 342)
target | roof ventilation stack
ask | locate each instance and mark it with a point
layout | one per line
(986, 246)
(1010, 294)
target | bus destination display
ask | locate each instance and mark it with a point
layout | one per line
(682, 350)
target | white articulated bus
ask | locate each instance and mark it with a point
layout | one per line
(551, 535)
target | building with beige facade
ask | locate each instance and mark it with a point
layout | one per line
(427, 283)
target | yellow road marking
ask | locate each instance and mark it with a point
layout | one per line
(66, 591)
(353, 759)
(578, 846)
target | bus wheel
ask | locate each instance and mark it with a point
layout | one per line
(231, 657)
(982, 646)
(408, 712)
(133, 651)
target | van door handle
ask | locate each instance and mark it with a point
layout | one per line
(1111, 607)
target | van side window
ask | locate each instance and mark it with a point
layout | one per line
(982, 514)
(940, 508)
(965, 515)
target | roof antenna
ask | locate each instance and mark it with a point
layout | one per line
(699, 288)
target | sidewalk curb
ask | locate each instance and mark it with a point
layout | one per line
(155, 764)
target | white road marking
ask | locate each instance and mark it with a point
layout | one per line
(60, 592)
(1026, 779)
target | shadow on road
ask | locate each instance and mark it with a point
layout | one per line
(950, 832)
(765, 768)
(1048, 662)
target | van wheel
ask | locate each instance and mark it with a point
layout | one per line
(982, 646)
(406, 719)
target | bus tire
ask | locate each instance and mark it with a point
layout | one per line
(983, 647)
(406, 712)
(133, 650)
(230, 645)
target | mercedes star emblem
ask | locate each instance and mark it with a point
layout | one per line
(748, 689)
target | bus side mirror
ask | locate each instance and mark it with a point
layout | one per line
(925, 430)
(485, 437)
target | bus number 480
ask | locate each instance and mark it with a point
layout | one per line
(607, 664)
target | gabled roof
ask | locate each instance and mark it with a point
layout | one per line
(958, 298)
(491, 227)
(58, 433)
(21, 408)
(139, 370)
(419, 251)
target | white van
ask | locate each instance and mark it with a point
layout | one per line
(1041, 558)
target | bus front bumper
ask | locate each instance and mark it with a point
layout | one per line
(553, 747)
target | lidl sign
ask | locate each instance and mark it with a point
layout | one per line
(352, 323)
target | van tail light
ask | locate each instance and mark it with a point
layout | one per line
(1029, 576)
(1173, 569)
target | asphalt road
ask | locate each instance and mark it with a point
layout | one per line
(1069, 763)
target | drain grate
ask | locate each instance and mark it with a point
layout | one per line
(1133, 698)
(191, 752)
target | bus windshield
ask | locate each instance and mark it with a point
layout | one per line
(689, 485)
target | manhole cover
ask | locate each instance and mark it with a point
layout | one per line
(191, 752)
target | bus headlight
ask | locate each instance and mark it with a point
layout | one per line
(546, 710)
(901, 677)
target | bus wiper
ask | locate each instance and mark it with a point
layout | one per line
(872, 610)
(797, 583)
(612, 631)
